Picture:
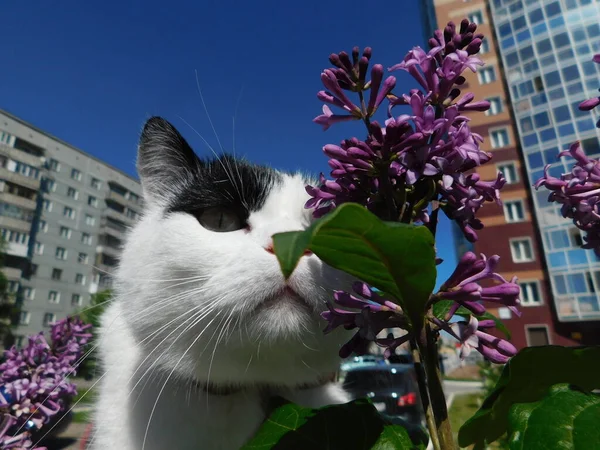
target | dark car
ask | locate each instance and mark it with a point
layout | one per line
(392, 388)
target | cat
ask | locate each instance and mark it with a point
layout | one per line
(203, 329)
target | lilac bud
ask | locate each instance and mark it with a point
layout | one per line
(363, 65)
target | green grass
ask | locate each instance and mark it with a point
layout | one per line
(82, 416)
(85, 396)
(462, 408)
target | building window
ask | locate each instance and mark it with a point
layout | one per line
(54, 297)
(93, 201)
(39, 248)
(24, 317)
(514, 211)
(76, 174)
(6, 138)
(80, 278)
(134, 198)
(131, 213)
(521, 250)
(537, 336)
(90, 220)
(13, 286)
(476, 17)
(43, 226)
(49, 319)
(509, 170)
(72, 193)
(76, 300)
(69, 212)
(47, 205)
(486, 75)
(15, 236)
(50, 186)
(56, 274)
(485, 47)
(96, 183)
(530, 293)
(495, 106)
(86, 239)
(54, 165)
(61, 253)
(65, 232)
(576, 239)
(499, 138)
(29, 293)
(83, 258)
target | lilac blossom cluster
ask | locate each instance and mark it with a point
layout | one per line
(416, 161)
(33, 387)
(416, 157)
(371, 313)
(578, 191)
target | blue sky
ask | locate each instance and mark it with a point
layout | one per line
(90, 73)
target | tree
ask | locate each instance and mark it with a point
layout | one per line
(91, 314)
(6, 300)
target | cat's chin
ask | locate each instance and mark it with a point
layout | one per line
(284, 299)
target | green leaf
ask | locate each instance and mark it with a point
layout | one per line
(352, 426)
(526, 378)
(396, 258)
(565, 418)
(441, 308)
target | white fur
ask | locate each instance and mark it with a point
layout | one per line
(190, 305)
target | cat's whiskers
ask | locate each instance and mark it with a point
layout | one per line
(222, 333)
(169, 377)
(195, 318)
(77, 363)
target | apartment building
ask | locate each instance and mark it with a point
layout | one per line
(512, 230)
(63, 214)
(546, 48)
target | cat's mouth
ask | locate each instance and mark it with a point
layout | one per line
(285, 296)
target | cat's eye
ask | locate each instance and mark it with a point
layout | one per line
(221, 219)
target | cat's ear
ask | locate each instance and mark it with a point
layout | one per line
(164, 160)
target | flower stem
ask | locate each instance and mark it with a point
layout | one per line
(428, 347)
(422, 381)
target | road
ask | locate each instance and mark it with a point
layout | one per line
(461, 387)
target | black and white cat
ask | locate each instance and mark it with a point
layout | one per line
(204, 328)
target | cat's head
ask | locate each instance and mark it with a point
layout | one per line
(199, 282)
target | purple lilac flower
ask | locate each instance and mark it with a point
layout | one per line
(464, 289)
(472, 335)
(33, 386)
(579, 194)
(371, 313)
(425, 152)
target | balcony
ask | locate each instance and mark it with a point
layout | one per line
(122, 200)
(19, 155)
(104, 269)
(17, 178)
(108, 250)
(15, 249)
(12, 273)
(116, 215)
(112, 229)
(15, 224)
(18, 200)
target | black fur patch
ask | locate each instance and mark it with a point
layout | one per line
(227, 181)
(170, 169)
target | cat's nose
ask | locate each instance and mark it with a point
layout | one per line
(269, 248)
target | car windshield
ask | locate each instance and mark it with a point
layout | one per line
(371, 380)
